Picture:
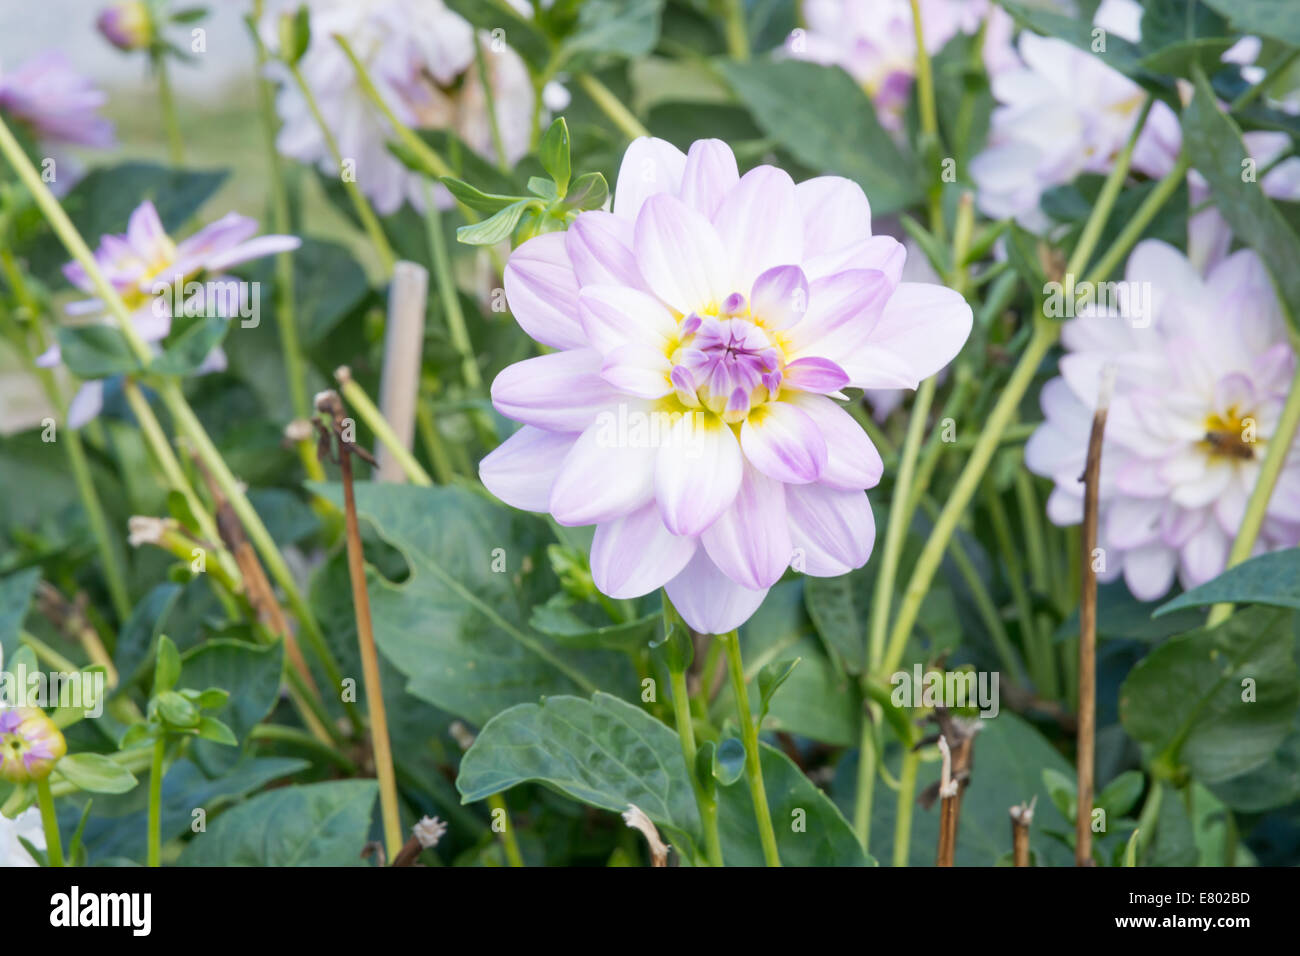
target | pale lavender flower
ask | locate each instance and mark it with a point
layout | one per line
(1197, 397)
(30, 744)
(704, 328)
(142, 261)
(421, 57)
(55, 102)
(29, 827)
(875, 42)
(127, 25)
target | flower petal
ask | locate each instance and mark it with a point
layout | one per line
(708, 600)
(253, 249)
(784, 443)
(698, 473)
(923, 326)
(521, 470)
(680, 255)
(542, 291)
(832, 531)
(633, 555)
(640, 370)
(604, 476)
(759, 225)
(561, 392)
(835, 213)
(650, 166)
(779, 297)
(86, 404)
(599, 244)
(615, 315)
(750, 543)
(852, 461)
(842, 311)
(1149, 571)
(819, 375)
(710, 174)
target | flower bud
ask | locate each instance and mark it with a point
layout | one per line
(30, 744)
(127, 25)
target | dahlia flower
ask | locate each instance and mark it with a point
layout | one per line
(26, 825)
(143, 260)
(30, 744)
(1063, 113)
(127, 25)
(875, 43)
(703, 329)
(58, 105)
(421, 58)
(1197, 396)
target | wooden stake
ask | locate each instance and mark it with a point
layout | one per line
(399, 381)
(1087, 736)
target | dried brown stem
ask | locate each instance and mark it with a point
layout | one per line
(1021, 818)
(957, 744)
(1087, 724)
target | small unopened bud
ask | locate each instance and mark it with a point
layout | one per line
(126, 25)
(30, 744)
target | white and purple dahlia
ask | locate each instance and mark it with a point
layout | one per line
(703, 330)
(1200, 384)
(55, 102)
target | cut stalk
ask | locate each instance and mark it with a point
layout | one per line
(749, 732)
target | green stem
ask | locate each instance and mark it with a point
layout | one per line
(1133, 230)
(708, 806)
(899, 518)
(50, 821)
(1015, 582)
(154, 850)
(1279, 445)
(866, 783)
(117, 589)
(906, 800)
(360, 205)
(508, 841)
(433, 443)
(612, 107)
(749, 732)
(457, 330)
(503, 163)
(734, 30)
(924, 76)
(293, 737)
(167, 105)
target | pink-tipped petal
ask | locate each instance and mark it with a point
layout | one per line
(784, 443)
(923, 327)
(252, 249)
(819, 375)
(780, 297)
(843, 309)
(613, 316)
(521, 470)
(633, 555)
(640, 370)
(709, 601)
(750, 543)
(560, 392)
(759, 224)
(599, 244)
(852, 461)
(543, 292)
(835, 213)
(697, 473)
(86, 404)
(832, 531)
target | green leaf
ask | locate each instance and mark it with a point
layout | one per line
(1180, 59)
(167, 665)
(1121, 795)
(253, 674)
(318, 824)
(95, 351)
(498, 228)
(1130, 849)
(580, 626)
(554, 154)
(1270, 18)
(728, 762)
(1272, 579)
(95, 773)
(620, 28)
(477, 199)
(16, 592)
(1214, 144)
(144, 625)
(210, 728)
(589, 191)
(189, 344)
(295, 34)
(1188, 701)
(1274, 783)
(1063, 790)
(177, 712)
(456, 627)
(827, 122)
(1119, 53)
(770, 679)
(838, 608)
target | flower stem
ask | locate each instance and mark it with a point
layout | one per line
(509, 843)
(734, 30)
(612, 107)
(749, 732)
(167, 106)
(1279, 445)
(1133, 230)
(906, 800)
(708, 805)
(456, 328)
(154, 848)
(369, 413)
(50, 820)
(360, 205)
(503, 163)
(866, 783)
(924, 76)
